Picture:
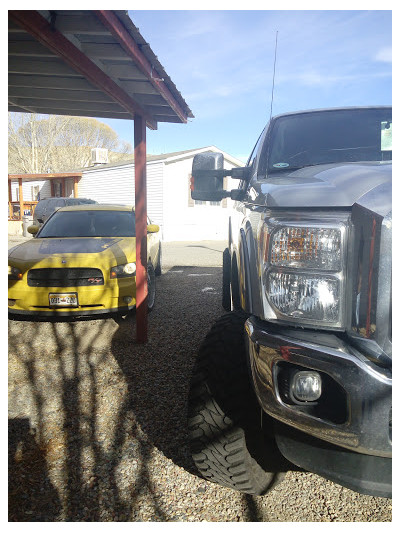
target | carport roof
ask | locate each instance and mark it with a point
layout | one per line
(88, 63)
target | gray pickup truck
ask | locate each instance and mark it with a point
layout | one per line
(298, 373)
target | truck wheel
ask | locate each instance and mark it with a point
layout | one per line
(226, 280)
(227, 443)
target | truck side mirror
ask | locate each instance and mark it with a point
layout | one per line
(207, 177)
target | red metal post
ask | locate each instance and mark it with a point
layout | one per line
(141, 229)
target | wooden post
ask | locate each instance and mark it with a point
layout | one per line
(52, 188)
(141, 228)
(63, 187)
(21, 200)
(75, 187)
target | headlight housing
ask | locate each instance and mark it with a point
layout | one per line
(14, 272)
(123, 271)
(303, 269)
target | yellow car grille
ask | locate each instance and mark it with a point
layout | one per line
(65, 277)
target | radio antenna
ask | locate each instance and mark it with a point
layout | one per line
(273, 77)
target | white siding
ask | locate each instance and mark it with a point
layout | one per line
(155, 191)
(109, 185)
(117, 185)
(44, 189)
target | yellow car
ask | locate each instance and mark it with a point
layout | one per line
(81, 262)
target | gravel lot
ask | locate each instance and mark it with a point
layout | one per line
(97, 423)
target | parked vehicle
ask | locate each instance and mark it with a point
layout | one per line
(301, 365)
(82, 262)
(44, 208)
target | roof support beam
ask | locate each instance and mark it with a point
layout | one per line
(111, 21)
(38, 26)
(141, 229)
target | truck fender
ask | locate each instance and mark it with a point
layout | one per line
(248, 275)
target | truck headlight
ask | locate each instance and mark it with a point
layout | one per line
(123, 271)
(303, 270)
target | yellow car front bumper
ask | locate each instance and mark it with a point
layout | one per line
(116, 295)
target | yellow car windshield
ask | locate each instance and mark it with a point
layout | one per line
(89, 224)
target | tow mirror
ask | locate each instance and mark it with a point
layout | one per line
(208, 177)
(207, 181)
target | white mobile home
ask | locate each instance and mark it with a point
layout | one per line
(169, 203)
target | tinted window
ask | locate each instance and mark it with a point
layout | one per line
(330, 137)
(90, 224)
(78, 201)
(54, 203)
(39, 209)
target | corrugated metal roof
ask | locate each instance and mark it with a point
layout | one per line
(42, 80)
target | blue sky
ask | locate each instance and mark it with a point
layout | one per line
(222, 63)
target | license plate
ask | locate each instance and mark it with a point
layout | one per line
(68, 299)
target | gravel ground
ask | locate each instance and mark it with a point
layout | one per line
(97, 423)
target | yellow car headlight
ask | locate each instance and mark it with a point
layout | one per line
(123, 271)
(14, 272)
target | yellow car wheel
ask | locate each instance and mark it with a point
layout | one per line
(151, 286)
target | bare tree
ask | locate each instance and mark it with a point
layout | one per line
(54, 143)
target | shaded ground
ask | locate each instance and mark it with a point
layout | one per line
(97, 423)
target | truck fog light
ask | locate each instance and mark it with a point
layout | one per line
(11, 302)
(127, 299)
(306, 386)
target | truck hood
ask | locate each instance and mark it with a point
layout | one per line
(53, 252)
(329, 185)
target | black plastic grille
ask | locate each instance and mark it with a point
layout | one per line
(65, 277)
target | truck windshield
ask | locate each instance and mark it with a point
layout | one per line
(334, 136)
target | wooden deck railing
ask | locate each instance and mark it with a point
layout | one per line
(14, 210)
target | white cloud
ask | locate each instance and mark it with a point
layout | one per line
(384, 54)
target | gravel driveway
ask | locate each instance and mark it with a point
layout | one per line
(97, 423)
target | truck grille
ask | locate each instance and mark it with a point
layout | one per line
(65, 277)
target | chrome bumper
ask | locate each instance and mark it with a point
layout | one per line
(366, 389)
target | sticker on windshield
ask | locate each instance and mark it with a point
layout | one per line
(281, 165)
(386, 136)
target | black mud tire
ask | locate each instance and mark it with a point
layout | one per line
(226, 280)
(227, 443)
(158, 268)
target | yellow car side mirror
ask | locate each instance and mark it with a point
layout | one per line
(33, 229)
(153, 228)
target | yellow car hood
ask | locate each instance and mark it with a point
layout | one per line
(94, 251)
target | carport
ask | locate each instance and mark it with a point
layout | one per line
(95, 64)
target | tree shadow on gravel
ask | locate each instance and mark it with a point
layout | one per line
(158, 373)
(67, 448)
(90, 408)
(29, 476)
